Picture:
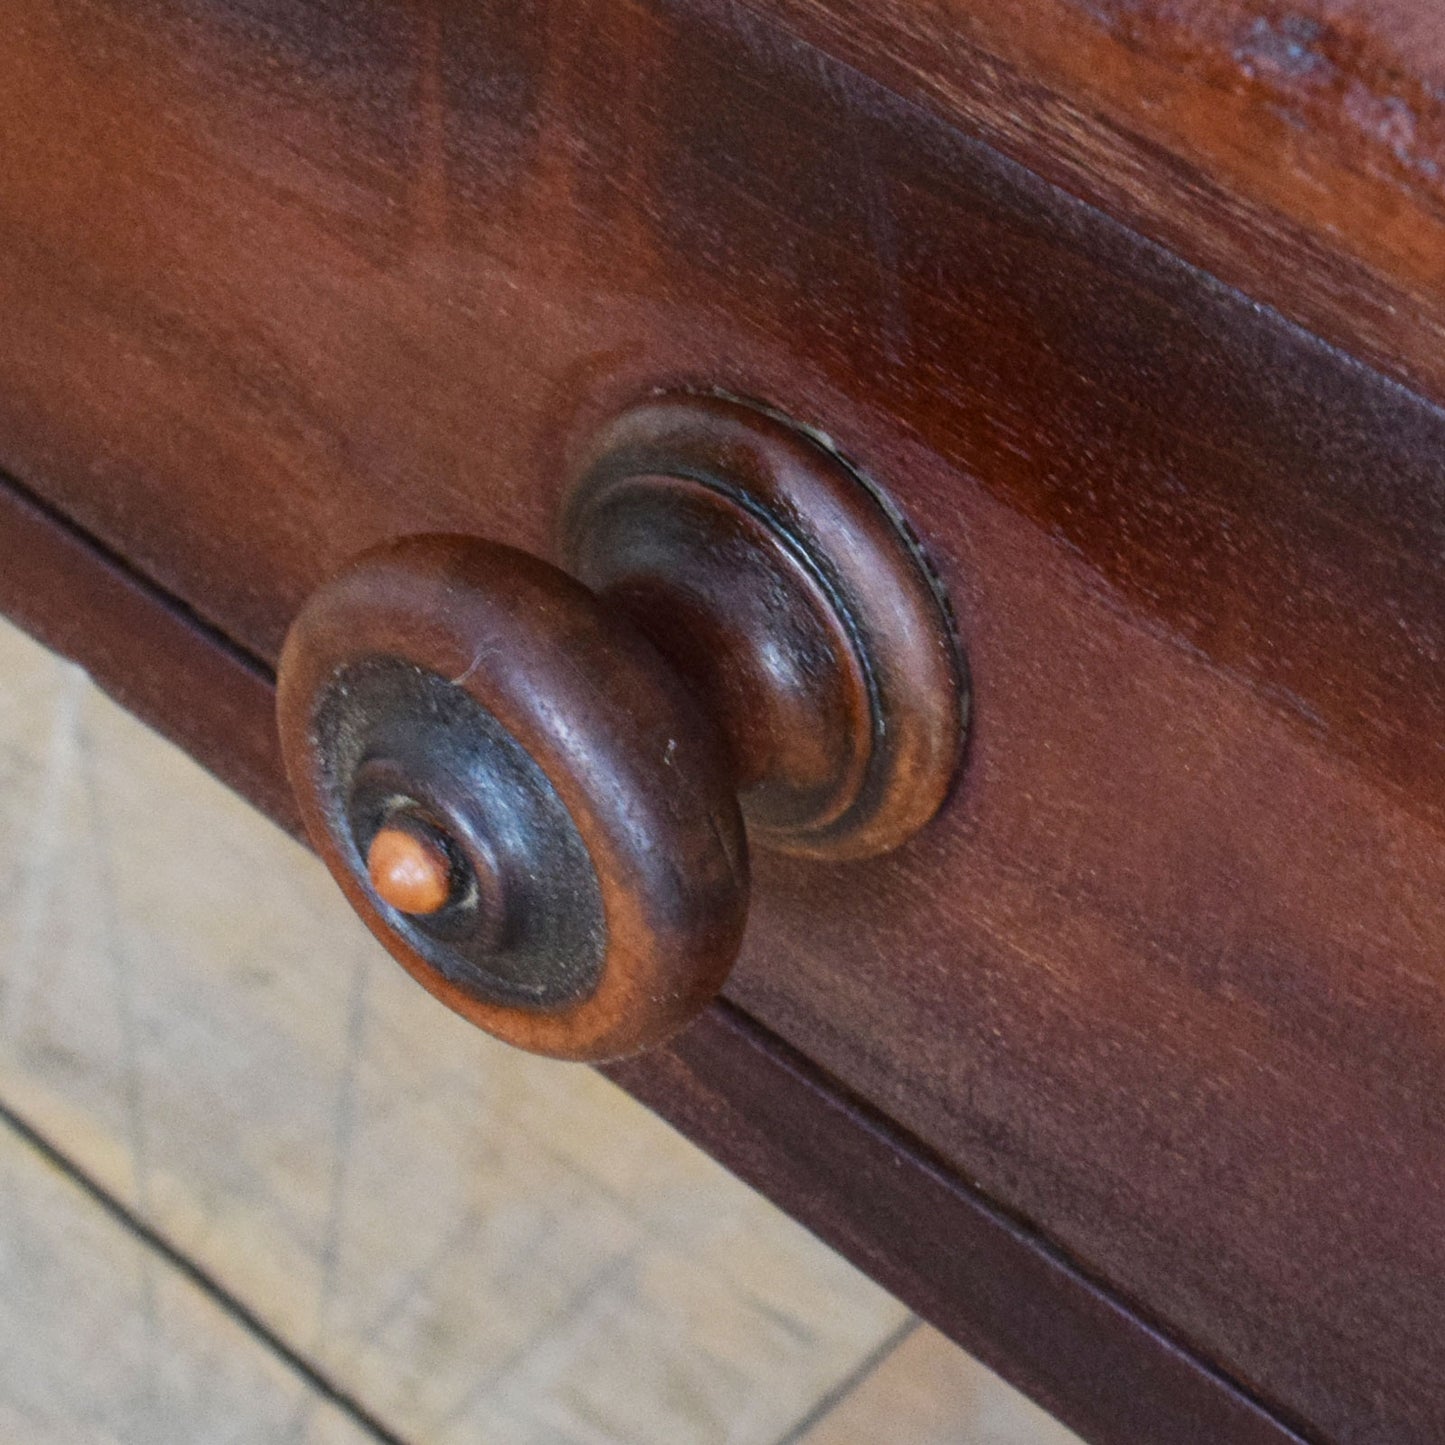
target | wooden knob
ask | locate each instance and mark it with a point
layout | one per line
(536, 786)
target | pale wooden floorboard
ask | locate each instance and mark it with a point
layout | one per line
(104, 1343)
(928, 1392)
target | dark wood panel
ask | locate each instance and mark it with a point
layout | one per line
(733, 1088)
(1233, 131)
(1165, 978)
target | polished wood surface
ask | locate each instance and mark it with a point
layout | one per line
(1163, 979)
(1296, 151)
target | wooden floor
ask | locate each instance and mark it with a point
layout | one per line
(255, 1186)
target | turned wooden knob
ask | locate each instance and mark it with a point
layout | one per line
(537, 786)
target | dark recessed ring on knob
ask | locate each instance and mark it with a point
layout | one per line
(533, 790)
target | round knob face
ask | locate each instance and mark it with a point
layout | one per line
(515, 793)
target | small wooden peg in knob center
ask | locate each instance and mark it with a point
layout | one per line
(408, 871)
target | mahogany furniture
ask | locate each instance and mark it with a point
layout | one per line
(1126, 1069)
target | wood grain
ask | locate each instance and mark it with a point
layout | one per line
(1235, 133)
(1163, 980)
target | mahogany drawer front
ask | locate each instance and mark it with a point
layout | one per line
(280, 281)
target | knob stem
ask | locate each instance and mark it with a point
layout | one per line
(792, 601)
